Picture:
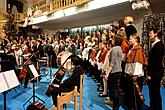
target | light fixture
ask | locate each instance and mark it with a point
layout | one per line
(138, 4)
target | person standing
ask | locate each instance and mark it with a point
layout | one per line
(114, 71)
(129, 29)
(134, 70)
(155, 69)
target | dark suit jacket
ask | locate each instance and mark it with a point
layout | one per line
(74, 80)
(155, 58)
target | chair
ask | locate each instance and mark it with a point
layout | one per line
(42, 65)
(81, 91)
(67, 98)
(80, 94)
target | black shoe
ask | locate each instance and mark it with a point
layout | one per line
(102, 95)
(25, 86)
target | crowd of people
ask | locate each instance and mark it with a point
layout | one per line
(114, 58)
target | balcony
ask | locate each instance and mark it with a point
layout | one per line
(51, 8)
(3, 16)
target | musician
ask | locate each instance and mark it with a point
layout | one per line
(134, 70)
(17, 52)
(74, 80)
(5, 45)
(51, 55)
(34, 51)
(155, 69)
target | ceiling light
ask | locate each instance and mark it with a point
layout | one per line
(138, 4)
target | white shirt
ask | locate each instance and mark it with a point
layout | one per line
(155, 42)
(134, 68)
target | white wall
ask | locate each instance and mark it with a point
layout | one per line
(3, 5)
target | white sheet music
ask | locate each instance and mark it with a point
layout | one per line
(3, 86)
(8, 80)
(34, 71)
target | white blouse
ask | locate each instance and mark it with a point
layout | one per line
(134, 68)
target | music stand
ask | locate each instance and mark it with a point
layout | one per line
(33, 75)
(8, 81)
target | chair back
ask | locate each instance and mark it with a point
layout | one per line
(81, 91)
(67, 98)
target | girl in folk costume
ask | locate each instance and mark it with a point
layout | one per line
(92, 61)
(125, 46)
(105, 68)
(100, 62)
(92, 57)
(95, 39)
(135, 61)
(103, 55)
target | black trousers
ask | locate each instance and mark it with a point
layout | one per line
(57, 91)
(132, 100)
(154, 94)
(114, 86)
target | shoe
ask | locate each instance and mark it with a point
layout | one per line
(53, 108)
(102, 95)
(109, 102)
(107, 98)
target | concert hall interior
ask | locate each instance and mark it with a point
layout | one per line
(112, 51)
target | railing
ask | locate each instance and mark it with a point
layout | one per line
(18, 17)
(3, 16)
(52, 7)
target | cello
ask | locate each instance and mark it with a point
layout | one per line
(24, 71)
(57, 78)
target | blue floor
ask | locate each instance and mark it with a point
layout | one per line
(16, 98)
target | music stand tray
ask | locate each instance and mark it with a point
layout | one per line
(33, 75)
(8, 81)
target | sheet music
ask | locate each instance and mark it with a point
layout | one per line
(3, 86)
(8, 80)
(11, 78)
(34, 71)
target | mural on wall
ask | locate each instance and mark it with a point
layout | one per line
(150, 22)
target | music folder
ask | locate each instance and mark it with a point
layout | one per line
(8, 80)
(34, 73)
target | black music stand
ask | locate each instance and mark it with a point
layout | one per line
(8, 81)
(33, 76)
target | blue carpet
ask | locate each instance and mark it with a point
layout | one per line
(16, 98)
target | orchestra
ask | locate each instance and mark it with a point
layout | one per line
(98, 57)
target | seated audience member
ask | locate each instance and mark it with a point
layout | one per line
(74, 80)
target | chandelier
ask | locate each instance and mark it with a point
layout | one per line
(138, 4)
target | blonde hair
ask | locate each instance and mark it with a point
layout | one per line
(129, 19)
(136, 36)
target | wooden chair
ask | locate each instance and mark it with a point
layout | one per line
(81, 91)
(80, 94)
(67, 98)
